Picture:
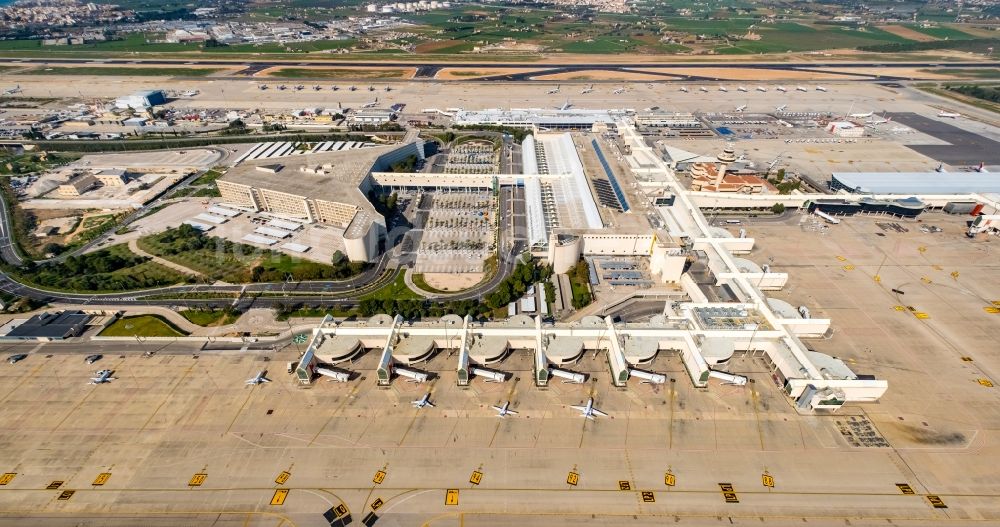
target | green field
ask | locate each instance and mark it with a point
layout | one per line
(785, 37)
(122, 71)
(942, 32)
(396, 290)
(289, 47)
(134, 42)
(210, 317)
(142, 326)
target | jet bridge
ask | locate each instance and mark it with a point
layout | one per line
(541, 363)
(463, 353)
(384, 370)
(616, 357)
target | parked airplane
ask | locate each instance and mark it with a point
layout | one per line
(353, 88)
(861, 115)
(423, 401)
(260, 378)
(619, 91)
(781, 108)
(588, 411)
(703, 89)
(371, 88)
(300, 87)
(949, 115)
(588, 89)
(103, 376)
(262, 87)
(12, 91)
(801, 88)
(554, 90)
(723, 89)
(370, 104)
(742, 88)
(684, 89)
(741, 107)
(820, 88)
(878, 120)
(504, 411)
(981, 167)
(566, 105)
(940, 167)
(317, 87)
(761, 89)
(334, 87)
(190, 93)
(388, 88)
(782, 89)
(282, 87)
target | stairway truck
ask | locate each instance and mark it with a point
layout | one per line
(569, 376)
(648, 376)
(413, 375)
(728, 378)
(338, 376)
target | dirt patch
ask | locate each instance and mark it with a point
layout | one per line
(452, 282)
(907, 33)
(448, 74)
(431, 47)
(337, 72)
(600, 75)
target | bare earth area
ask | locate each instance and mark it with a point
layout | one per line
(452, 282)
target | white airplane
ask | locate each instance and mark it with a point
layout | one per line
(504, 411)
(190, 93)
(371, 88)
(820, 88)
(761, 89)
(388, 88)
(588, 411)
(353, 88)
(300, 87)
(103, 376)
(262, 87)
(588, 89)
(949, 115)
(861, 115)
(260, 378)
(781, 108)
(723, 89)
(877, 120)
(317, 87)
(782, 89)
(940, 167)
(741, 107)
(370, 104)
(684, 89)
(423, 401)
(703, 89)
(566, 105)
(334, 87)
(282, 87)
(12, 91)
(554, 90)
(619, 91)
(742, 88)
(801, 88)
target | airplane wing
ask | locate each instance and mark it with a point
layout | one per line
(598, 412)
(581, 408)
(265, 379)
(498, 408)
(511, 412)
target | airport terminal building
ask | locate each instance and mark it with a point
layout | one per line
(329, 188)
